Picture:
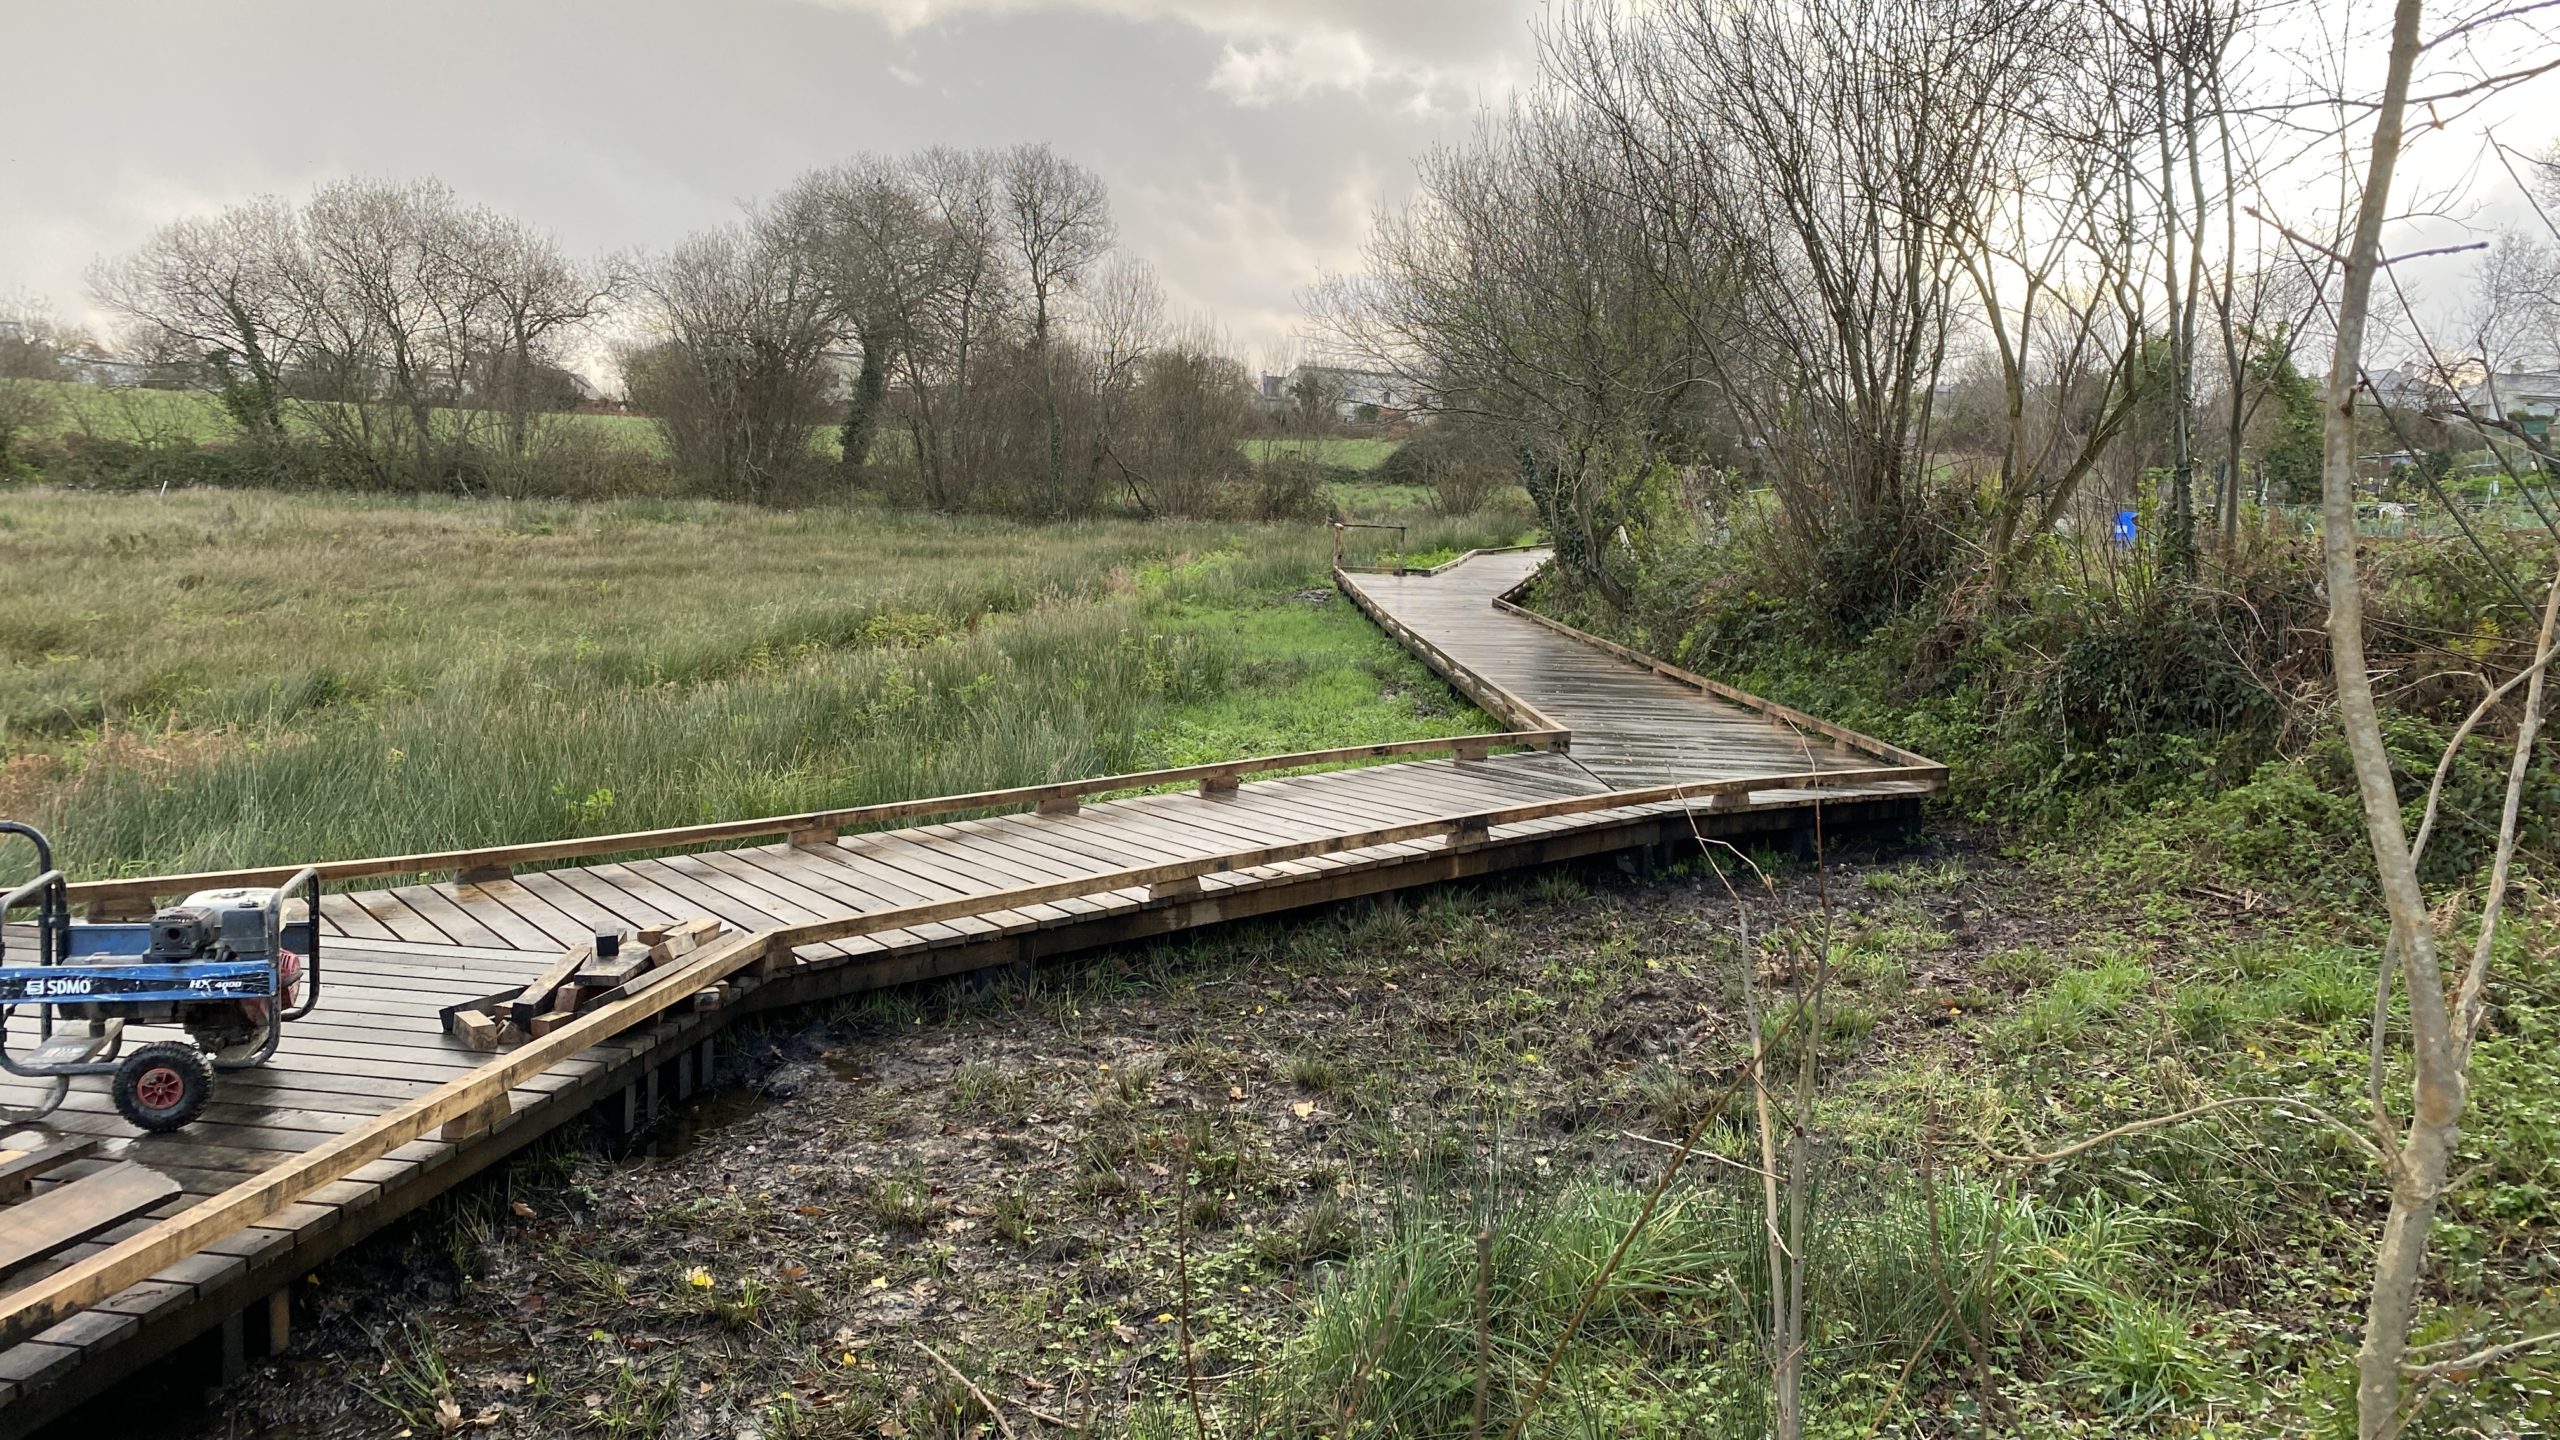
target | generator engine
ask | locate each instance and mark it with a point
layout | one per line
(228, 925)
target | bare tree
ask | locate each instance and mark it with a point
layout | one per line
(33, 344)
(969, 303)
(1058, 218)
(735, 368)
(887, 261)
(222, 287)
(2417, 1156)
(537, 298)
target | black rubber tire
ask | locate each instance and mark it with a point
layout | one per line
(163, 1085)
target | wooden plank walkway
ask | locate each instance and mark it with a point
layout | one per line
(395, 956)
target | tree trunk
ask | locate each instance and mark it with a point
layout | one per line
(862, 412)
(2437, 1083)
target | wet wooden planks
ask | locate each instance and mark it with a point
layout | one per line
(1630, 726)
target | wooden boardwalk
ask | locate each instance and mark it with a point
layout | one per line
(1001, 889)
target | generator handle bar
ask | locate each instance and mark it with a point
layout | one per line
(15, 898)
(308, 875)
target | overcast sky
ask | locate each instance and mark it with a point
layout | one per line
(1245, 141)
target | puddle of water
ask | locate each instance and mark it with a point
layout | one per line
(685, 1126)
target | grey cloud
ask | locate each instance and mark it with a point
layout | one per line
(1244, 143)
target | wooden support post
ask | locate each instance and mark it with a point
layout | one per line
(710, 1060)
(479, 1119)
(656, 1102)
(684, 1076)
(630, 1122)
(1216, 787)
(483, 874)
(814, 837)
(1183, 888)
(1058, 805)
(235, 1346)
(280, 1321)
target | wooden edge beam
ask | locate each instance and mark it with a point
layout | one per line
(485, 1115)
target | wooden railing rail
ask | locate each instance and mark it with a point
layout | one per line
(809, 827)
(1426, 571)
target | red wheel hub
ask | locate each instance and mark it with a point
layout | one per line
(160, 1088)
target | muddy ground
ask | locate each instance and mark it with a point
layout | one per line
(1016, 1185)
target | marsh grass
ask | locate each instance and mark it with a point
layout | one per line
(1389, 1342)
(216, 678)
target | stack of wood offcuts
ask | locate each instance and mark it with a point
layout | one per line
(617, 964)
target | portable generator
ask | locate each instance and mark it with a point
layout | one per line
(228, 966)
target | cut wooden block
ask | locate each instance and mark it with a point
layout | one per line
(18, 1173)
(68, 1214)
(449, 1018)
(536, 997)
(478, 1029)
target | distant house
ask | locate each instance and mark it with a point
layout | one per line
(89, 368)
(2529, 398)
(2424, 384)
(1352, 395)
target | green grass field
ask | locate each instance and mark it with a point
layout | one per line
(221, 678)
(1350, 453)
(187, 417)
(181, 417)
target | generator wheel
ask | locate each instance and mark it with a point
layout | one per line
(163, 1085)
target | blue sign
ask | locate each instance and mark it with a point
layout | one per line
(2123, 530)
